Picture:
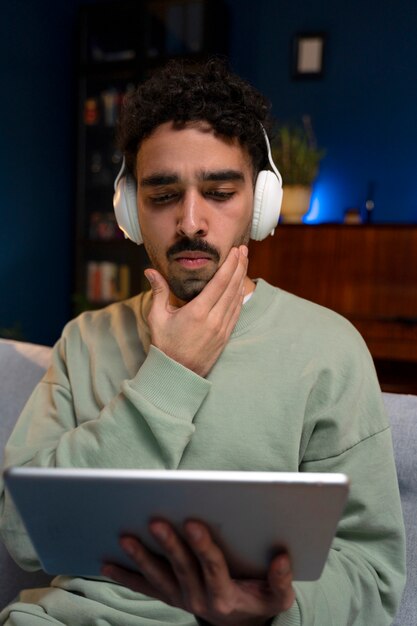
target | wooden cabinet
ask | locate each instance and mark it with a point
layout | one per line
(368, 273)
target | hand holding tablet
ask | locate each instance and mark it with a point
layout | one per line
(75, 517)
(193, 575)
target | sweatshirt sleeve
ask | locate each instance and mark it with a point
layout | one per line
(146, 423)
(347, 431)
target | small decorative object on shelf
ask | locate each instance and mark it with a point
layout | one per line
(91, 112)
(352, 216)
(297, 156)
(369, 203)
(111, 102)
(102, 56)
(104, 107)
(104, 227)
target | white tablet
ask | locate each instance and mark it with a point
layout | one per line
(76, 516)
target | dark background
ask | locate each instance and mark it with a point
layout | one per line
(363, 113)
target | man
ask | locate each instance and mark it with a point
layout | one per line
(211, 370)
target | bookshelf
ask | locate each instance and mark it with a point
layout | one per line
(119, 45)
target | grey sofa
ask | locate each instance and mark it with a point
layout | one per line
(21, 367)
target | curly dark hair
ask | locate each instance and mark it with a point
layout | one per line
(183, 91)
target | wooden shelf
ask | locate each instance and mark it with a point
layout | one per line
(367, 273)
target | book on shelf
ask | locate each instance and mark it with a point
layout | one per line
(107, 281)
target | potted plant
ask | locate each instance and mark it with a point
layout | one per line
(297, 157)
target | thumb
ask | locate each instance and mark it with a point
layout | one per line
(159, 286)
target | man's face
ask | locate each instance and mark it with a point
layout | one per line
(195, 199)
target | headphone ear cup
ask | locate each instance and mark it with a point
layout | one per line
(125, 208)
(266, 205)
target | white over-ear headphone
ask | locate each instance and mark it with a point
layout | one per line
(266, 202)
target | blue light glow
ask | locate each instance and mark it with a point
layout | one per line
(325, 204)
(313, 214)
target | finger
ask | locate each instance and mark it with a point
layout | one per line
(280, 581)
(154, 569)
(234, 312)
(132, 580)
(184, 565)
(237, 279)
(225, 311)
(159, 287)
(216, 575)
(230, 302)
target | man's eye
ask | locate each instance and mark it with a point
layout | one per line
(163, 198)
(219, 195)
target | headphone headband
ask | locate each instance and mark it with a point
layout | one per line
(270, 159)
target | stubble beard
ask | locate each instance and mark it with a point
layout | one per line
(188, 284)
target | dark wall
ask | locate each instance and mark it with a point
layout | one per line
(364, 107)
(362, 111)
(36, 165)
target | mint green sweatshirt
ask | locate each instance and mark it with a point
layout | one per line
(294, 390)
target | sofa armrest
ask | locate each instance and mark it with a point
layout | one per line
(402, 411)
(22, 365)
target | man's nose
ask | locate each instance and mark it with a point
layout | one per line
(192, 216)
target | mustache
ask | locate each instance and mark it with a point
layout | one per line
(186, 244)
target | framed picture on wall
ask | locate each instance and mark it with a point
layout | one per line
(308, 55)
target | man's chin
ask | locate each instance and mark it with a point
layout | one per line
(187, 289)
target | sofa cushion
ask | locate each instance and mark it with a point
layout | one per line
(21, 367)
(402, 411)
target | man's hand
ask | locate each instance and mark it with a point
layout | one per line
(196, 334)
(194, 577)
